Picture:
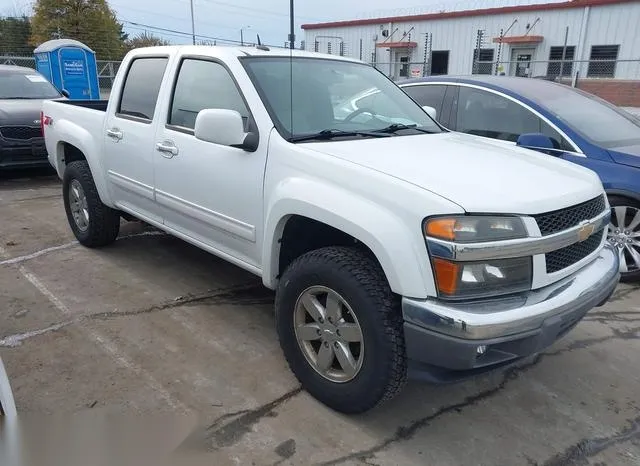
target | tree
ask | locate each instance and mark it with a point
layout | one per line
(14, 36)
(92, 22)
(145, 39)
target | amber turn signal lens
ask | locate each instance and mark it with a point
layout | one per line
(441, 228)
(447, 276)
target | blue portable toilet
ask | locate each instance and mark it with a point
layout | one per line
(69, 65)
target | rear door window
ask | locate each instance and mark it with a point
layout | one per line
(141, 88)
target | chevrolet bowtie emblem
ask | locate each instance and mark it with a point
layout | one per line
(585, 231)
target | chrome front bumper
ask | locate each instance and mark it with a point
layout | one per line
(489, 319)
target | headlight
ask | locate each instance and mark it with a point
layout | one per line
(482, 279)
(465, 280)
(461, 229)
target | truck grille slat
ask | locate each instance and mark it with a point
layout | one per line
(22, 133)
(569, 255)
(559, 220)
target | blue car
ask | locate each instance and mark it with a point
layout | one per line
(556, 119)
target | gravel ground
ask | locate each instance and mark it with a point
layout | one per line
(151, 326)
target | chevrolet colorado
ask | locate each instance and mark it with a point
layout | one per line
(396, 248)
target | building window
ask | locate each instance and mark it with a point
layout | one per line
(482, 61)
(602, 62)
(555, 61)
(329, 47)
(439, 62)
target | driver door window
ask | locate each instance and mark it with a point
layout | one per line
(487, 114)
(490, 115)
(203, 85)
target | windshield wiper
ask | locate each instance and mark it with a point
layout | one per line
(327, 134)
(399, 126)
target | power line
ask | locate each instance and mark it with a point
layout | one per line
(179, 33)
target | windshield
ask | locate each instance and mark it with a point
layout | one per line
(327, 96)
(26, 86)
(596, 120)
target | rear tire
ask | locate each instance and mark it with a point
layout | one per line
(367, 302)
(93, 223)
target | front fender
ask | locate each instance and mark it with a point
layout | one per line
(70, 133)
(401, 252)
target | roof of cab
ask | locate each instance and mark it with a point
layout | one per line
(17, 69)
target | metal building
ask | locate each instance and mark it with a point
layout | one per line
(590, 38)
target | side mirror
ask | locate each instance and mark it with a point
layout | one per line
(537, 141)
(432, 112)
(224, 127)
(65, 93)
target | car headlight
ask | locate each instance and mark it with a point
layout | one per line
(487, 278)
(475, 229)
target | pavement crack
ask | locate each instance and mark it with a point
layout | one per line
(223, 434)
(632, 333)
(11, 341)
(404, 433)
(579, 453)
(241, 295)
(622, 293)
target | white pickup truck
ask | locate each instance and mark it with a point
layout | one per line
(396, 248)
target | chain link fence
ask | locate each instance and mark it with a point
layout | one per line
(106, 70)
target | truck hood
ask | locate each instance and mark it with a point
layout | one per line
(20, 112)
(478, 174)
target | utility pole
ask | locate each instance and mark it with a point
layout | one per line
(241, 38)
(292, 36)
(193, 25)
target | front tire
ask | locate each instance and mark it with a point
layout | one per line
(340, 328)
(93, 223)
(624, 226)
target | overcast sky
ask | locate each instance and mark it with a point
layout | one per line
(225, 18)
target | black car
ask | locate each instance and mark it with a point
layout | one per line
(22, 91)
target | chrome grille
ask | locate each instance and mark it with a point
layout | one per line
(556, 221)
(569, 255)
(20, 132)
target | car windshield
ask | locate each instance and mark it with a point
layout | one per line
(25, 86)
(595, 119)
(327, 99)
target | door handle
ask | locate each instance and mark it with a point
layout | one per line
(167, 149)
(115, 134)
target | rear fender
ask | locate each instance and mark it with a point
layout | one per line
(83, 140)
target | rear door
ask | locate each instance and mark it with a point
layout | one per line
(129, 146)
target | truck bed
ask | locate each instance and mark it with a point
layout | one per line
(100, 105)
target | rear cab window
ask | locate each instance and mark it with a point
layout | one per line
(141, 88)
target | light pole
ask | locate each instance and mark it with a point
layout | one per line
(242, 34)
(193, 25)
(292, 35)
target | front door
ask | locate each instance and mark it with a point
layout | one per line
(209, 192)
(130, 135)
(75, 72)
(521, 62)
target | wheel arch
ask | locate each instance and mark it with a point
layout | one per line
(379, 231)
